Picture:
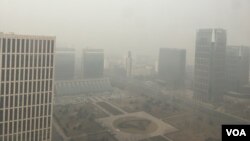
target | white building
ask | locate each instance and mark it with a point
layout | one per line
(26, 77)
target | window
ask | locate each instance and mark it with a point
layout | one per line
(22, 74)
(1, 105)
(8, 46)
(22, 60)
(44, 60)
(31, 46)
(1, 117)
(21, 87)
(22, 46)
(7, 90)
(27, 46)
(3, 60)
(48, 46)
(2, 76)
(13, 61)
(26, 74)
(13, 45)
(17, 60)
(26, 60)
(17, 74)
(16, 87)
(8, 60)
(44, 46)
(12, 87)
(40, 46)
(47, 63)
(36, 46)
(12, 74)
(18, 46)
(52, 46)
(31, 61)
(4, 45)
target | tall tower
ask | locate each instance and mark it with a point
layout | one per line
(129, 64)
(210, 53)
(26, 78)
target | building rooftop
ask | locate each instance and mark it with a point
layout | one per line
(14, 35)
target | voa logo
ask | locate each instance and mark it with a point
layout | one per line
(236, 132)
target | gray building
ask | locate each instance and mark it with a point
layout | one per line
(93, 63)
(64, 64)
(209, 73)
(171, 66)
(129, 64)
(85, 86)
(237, 67)
(27, 89)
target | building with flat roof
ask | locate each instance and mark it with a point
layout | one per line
(209, 73)
(64, 64)
(93, 63)
(26, 84)
(171, 66)
(237, 67)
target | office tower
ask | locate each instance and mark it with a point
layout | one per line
(237, 67)
(129, 64)
(64, 64)
(93, 63)
(26, 68)
(171, 67)
(209, 73)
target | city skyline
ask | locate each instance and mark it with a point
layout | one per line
(127, 25)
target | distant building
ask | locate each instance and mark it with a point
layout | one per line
(93, 63)
(237, 67)
(171, 66)
(129, 64)
(64, 64)
(27, 87)
(85, 86)
(209, 73)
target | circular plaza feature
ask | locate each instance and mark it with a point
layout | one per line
(135, 125)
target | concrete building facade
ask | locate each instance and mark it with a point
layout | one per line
(26, 84)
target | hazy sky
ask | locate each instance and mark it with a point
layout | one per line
(142, 26)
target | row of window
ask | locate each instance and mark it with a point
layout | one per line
(38, 135)
(27, 60)
(25, 113)
(26, 74)
(27, 46)
(24, 125)
(25, 100)
(25, 87)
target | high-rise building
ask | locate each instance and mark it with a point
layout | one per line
(171, 66)
(26, 68)
(237, 67)
(209, 73)
(129, 64)
(64, 64)
(93, 63)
